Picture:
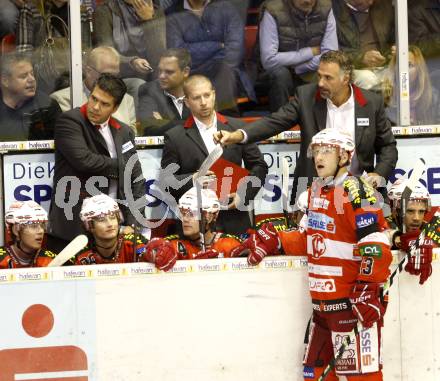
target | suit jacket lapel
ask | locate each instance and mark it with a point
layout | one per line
(320, 112)
(193, 133)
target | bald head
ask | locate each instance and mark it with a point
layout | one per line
(103, 59)
(194, 81)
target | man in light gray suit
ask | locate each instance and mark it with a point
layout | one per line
(103, 59)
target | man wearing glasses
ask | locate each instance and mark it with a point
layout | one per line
(103, 59)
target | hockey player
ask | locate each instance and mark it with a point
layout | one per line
(101, 218)
(26, 223)
(217, 245)
(348, 259)
(419, 203)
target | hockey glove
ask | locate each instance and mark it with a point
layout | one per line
(366, 304)
(207, 254)
(263, 242)
(419, 262)
(162, 253)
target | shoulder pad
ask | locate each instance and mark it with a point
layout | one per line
(3, 252)
(359, 192)
(47, 254)
(279, 223)
(172, 237)
(139, 238)
(226, 235)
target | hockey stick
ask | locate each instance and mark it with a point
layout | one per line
(209, 161)
(417, 172)
(285, 190)
(202, 223)
(69, 251)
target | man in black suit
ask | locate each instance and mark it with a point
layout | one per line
(332, 103)
(189, 144)
(93, 154)
(161, 102)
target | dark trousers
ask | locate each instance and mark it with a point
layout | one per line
(282, 85)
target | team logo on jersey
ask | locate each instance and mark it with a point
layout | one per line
(322, 285)
(366, 219)
(318, 246)
(320, 221)
(318, 202)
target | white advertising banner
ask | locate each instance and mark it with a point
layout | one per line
(215, 320)
(29, 176)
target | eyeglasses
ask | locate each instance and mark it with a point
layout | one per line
(102, 72)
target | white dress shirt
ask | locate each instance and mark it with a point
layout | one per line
(104, 130)
(342, 118)
(207, 132)
(178, 102)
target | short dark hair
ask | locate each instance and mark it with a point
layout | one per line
(183, 56)
(112, 85)
(340, 58)
(196, 78)
(9, 60)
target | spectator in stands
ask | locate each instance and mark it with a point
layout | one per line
(9, 16)
(38, 19)
(136, 29)
(424, 30)
(189, 144)
(292, 36)
(213, 32)
(103, 59)
(161, 102)
(424, 99)
(366, 33)
(24, 112)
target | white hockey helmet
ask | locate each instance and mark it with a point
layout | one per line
(25, 212)
(332, 137)
(97, 206)
(419, 194)
(210, 202)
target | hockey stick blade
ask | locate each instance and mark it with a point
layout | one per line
(285, 189)
(69, 251)
(209, 161)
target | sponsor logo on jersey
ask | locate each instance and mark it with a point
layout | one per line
(325, 270)
(318, 246)
(308, 372)
(320, 221)
(373, 250)
(182, 249)
(320, 203)
(365, 348)
(348, 362)
(322, 285)
(330, 306)
(365, 219)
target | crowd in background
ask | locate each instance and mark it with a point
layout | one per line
(256, 53)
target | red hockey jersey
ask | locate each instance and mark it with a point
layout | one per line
(223, 243)
(343, 239)
(8, 261)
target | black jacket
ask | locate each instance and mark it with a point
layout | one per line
(81, 152)
(184, 145)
